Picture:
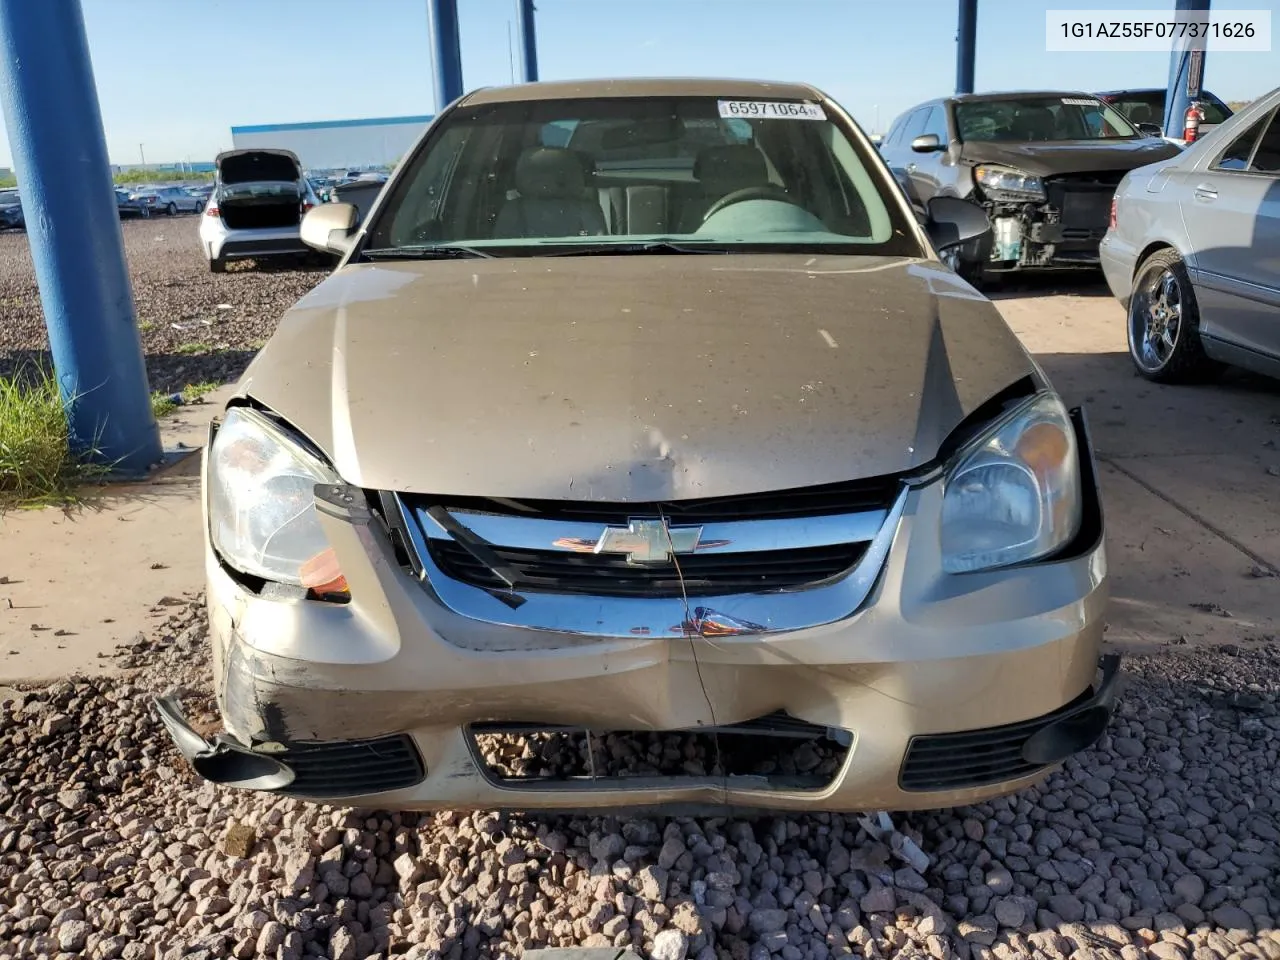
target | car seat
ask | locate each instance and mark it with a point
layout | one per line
(552, 199)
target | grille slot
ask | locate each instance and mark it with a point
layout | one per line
(975, 758)
(875, 493)
(787, 752)
(611, 575)
(353, 767)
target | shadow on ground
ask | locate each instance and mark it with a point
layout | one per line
(166, 372)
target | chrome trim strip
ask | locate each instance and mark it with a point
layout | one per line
(740, 536)
(629, 617)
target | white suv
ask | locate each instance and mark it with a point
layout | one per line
(256, 207)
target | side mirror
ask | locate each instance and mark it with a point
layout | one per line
(330, 227)
(927, 143)
(1150, 129)
(953, 221)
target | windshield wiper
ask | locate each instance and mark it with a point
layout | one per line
(439, 252)
(648, 246)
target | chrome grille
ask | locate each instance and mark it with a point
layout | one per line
(505, 563)
(612, 575)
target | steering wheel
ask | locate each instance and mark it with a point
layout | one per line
(764, 192)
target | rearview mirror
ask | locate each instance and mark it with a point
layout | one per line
(330, 227)
(927, 143)
(953, 221)
(1150, 129)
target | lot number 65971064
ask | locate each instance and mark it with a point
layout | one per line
(770, 110)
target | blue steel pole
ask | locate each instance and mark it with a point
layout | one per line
(1184, 81)
(528, 41)
(966, 44)
(446, 51)
(51, 111)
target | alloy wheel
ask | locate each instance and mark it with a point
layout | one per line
(1155, 319)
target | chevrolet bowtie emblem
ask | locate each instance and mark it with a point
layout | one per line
(648, 541)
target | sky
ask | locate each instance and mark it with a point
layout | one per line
(175, 77)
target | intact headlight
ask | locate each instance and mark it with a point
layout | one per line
(262, 514)
(1013, 495)
(1005, 183)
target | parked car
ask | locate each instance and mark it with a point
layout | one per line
(534, 460)
(1192, 252)
(127, 205)
(170, 200)
(1145, 108)
(1042, 165)
(200, 190)
(256, 207)
(11, 217)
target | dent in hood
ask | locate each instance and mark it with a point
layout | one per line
(633, 378)
(1046, 159)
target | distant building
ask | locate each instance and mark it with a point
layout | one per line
(6, 173)
(180, 166)
(337, 144)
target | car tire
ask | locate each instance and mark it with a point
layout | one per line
(199, 208)
(172, 209)
(959, 259)
(217, 265)
(1163, 323)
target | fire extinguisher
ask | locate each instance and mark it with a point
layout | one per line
(1191, 123)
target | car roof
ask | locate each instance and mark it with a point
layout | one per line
(642, 87)
(1160, 90)
(1014, 94)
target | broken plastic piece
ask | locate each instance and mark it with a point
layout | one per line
(881, 828)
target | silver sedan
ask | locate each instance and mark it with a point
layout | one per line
(1193, 252)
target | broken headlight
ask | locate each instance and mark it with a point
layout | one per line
(1013, 494)
(1006, 183)
(262, 515)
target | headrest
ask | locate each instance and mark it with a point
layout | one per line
(1034, 120)
(737, 163)
(550, 173)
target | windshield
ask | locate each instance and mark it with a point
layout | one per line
(1147, 106)
(518, 178)
(1023, 119)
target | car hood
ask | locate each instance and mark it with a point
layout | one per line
(1071, 156)
(633, 378)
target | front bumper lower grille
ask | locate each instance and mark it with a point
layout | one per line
(330, 769)
(346, 768)
(977, 758)
(782, 751)
(606, 575)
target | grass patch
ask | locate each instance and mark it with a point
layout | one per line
(195, 346)
(162, 404)
(154, 175)
(146, 326)
(37, 466)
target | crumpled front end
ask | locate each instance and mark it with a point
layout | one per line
(491, 659)
(1061, 231)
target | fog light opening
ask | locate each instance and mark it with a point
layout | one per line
(1068, 736)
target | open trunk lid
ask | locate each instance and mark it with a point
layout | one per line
(258, 165)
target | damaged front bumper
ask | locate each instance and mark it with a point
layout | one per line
(1061, 232)
(391, 772)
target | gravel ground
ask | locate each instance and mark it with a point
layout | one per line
(1162, 843)
(196, 326)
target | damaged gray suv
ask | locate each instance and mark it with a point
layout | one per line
(642, 453)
